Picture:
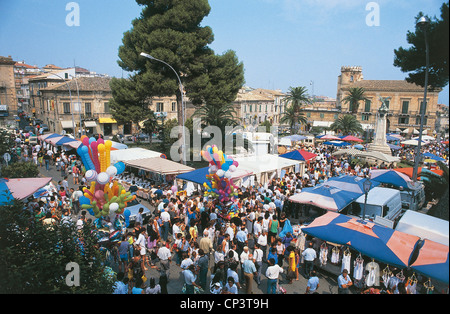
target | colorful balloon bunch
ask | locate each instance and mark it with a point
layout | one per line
(111, 199)
(103, 197)
(219, 184)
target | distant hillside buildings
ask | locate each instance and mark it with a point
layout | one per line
(64, 98)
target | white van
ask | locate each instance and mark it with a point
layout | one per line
(413, 200)
(384, 206)
(424, 226)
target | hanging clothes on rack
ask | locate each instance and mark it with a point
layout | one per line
(411, 284)
(346, 259)
(429, 286)
(335, 255)
(300, 244)
(323, 255)
(373, 277)
(358, 272)
(358, 268)
(386, 275)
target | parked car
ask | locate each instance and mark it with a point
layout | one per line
(134, 207)
(44, 127)
(139, 137)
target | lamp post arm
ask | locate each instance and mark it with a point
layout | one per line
(422, 111)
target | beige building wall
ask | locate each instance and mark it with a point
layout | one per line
(404, 104)
(8, 97)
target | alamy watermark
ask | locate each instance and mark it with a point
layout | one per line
(73, 277)
(73, 17)
(373, 18)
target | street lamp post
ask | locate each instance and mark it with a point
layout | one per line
(366, 186)
(423, 23)
(183, 135)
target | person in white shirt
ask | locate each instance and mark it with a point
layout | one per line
(164, 256)
(272, 273)
(257, 259)
(262, 241)
(140, 243)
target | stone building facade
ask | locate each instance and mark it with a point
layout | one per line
(8, 97)
(404, 103)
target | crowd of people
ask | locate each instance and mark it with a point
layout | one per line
(215, 255)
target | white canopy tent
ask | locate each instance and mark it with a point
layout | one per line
(266, 167)
(132, 154)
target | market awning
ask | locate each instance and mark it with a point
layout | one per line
(67, 124)
(199, 175)
(106, 120)
(90, 124)
(381, 243)
(20, 188)
(298, 154)
(325, 197)
(432, 261)
(159, 165)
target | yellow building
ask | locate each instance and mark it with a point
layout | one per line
(82, 101)
(404, 103)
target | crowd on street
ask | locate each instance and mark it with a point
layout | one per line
(215, 255)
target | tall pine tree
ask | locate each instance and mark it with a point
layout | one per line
(170, 30)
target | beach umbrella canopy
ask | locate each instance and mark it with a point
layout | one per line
(329, 137)
(350, 138)
(432, 156)
(381, 243)
(432, 261)
(358, 146)
(394, 147)
(325, 197)
(53, 140)
(295, 137)
(65, 140)
(20, 188)
(414, 142)
(348, 151)
(391, 138)
(336, 143)
(299, 154)
(349, 183)
(390, 176)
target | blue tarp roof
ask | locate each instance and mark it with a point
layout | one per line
(5, 194)
(196, 176)
(381, 243)
(65, 140)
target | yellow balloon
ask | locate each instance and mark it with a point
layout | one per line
(108, 145)
(215, 149)
(102, 159)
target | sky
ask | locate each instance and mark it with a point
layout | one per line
(282, 43)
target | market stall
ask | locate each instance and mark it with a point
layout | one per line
(266, 167)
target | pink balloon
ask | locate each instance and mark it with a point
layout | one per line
(86, 141)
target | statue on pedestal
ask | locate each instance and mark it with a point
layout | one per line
(379, 144)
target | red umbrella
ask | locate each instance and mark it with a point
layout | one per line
(350, 138)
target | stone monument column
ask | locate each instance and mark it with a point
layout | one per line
(379, 144)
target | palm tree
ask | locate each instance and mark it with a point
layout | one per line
(298, 97)
(357, 94)
(347, 125)
(222, 117)
(292, 117)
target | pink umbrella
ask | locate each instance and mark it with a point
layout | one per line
(350, 138)
(330, 137)
(24, 187)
